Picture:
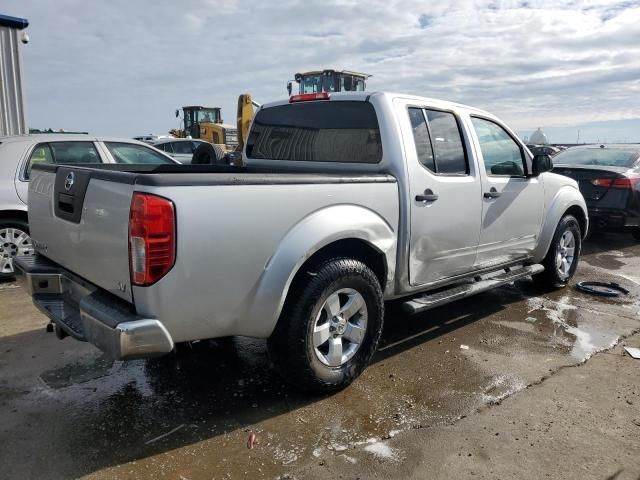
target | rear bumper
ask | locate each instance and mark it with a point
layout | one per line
(88, 313)
(612, 218)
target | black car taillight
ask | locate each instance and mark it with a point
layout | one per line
(625, 183)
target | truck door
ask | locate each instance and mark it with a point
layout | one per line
(512, 202)
(444, 198)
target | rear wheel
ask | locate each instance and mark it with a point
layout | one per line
(208, 154)
(330, 326)
(14, 241)
(561, 261)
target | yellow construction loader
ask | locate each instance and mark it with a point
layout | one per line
(206, 124)
(225, 141)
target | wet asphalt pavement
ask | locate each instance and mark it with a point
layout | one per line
(67, 412)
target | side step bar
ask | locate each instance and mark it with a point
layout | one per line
(477, 285)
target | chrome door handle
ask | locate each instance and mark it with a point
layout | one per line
(427, 196)
(493, 193)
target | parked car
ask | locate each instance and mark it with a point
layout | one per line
(543, 150)
(151, 138)
(181, 149)
(346, 200)
(18, 154)
(609, 179)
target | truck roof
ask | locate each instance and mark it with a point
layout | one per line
(363, 96)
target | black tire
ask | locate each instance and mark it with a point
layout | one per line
(208, 154)
(291, 344)
(553, 277)
(10, 223)
(636, 233)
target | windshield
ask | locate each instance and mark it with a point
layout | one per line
(207, 116)
(311, 84)
(617, 157)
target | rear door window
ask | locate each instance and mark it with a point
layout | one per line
(74, 152)
(438, 141)
(447, 142)
(135, 154)
(41, 154)
(422, 138)
(320, 131)
(63, 153)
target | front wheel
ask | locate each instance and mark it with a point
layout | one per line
(561, 261)
(330, 326)
(14, 241)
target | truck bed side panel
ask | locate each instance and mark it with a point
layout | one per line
(228, 234)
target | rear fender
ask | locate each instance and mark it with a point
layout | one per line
(566, 197)
(319, 229)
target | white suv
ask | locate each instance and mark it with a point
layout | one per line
(19, 153)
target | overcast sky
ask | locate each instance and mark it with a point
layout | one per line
(123, 67)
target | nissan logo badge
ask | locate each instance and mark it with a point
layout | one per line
(68, 182)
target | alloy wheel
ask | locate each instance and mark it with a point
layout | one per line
(340, 327)
(13, 242)
(566, 253)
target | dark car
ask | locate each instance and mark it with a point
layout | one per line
(609, 179)
(544, 150)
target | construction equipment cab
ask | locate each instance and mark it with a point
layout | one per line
(329, 81)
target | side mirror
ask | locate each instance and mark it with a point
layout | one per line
(541, 164)
(177, 113)
(289, 87)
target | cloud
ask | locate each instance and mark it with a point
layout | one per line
(123, 67)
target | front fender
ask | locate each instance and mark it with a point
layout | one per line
(315, 231)
(565, 198)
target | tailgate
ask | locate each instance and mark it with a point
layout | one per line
(79, 218)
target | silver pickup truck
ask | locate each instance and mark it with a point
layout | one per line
(344, 201)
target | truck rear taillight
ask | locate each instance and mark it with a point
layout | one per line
(307, 97)
(152, 238)
(627, 183)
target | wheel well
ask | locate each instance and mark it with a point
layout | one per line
(577, 212)
(348, 248)
(17, 214)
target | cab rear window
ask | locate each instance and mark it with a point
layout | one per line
(323, 131)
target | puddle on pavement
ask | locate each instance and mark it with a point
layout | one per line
(582, 334)
(77, 373)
